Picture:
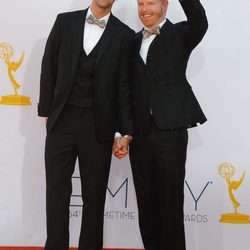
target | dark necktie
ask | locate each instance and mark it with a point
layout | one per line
(99, 22)
(148, 33)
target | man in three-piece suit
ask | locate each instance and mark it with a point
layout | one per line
(84, 82)
(164, 106)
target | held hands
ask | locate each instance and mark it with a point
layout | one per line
(120, 146)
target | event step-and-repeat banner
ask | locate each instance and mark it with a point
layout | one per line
(217, 184)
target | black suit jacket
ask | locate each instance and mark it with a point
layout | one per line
(161, 84)
(111, 89)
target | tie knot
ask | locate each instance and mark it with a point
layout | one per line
(99, 22)
(148, 33)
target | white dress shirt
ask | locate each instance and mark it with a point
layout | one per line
(145, 44)
(92, 33)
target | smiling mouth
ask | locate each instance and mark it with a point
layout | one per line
(146, 16)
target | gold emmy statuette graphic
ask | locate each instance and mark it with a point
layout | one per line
(227, 170)
(6, 52)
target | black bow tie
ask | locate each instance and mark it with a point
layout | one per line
(148, 33)
(99, 22)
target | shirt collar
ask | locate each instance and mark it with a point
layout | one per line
(106, 18)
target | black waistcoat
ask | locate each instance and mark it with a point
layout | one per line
(82, 89)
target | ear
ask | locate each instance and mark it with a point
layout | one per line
(165, 4)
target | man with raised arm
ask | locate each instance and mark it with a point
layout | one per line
(164, 106)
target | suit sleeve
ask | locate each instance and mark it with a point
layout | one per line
(49, 69)
(196, 25)
(124, 89)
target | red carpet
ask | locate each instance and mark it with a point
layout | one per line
(41, 248)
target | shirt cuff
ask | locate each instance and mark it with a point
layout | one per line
(117, 134)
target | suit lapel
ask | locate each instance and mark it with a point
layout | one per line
(77, 38)
(106, 37)
(138, 39)
(165, 34)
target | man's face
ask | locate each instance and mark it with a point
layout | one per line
(152, 12)
(104, 4)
